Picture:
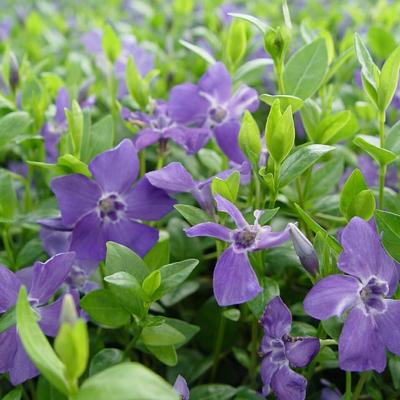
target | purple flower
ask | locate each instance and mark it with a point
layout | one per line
(181, 387)
(174, 178)
(46, 279)
(280, 351)
(159, 126)
(108, 208)
(234, 280)
(364, 293)
(211, 104)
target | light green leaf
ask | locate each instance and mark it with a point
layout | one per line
(371, 145)
(260, 25)
(228, 188)
(285, 101)
(205, 55)
(388, 80)
(388, 225)
(192, 214)
(13, 125)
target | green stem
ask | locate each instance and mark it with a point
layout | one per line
(218, 346)
(347, 395)
(279, 76)
(7, 245)
(253, 357)
(382, 168)
(257, 188)
(360, 384)
(133, 341)
(277, 170)
(142, 159)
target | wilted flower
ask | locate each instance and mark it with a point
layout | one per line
(364, 292)
(211, 104)
(234, 280)
(108, 208)
(182, 388)
(280, 351)
(160, 126)
(46, 279)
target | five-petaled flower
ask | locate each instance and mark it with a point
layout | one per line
(372, 323)
(280, 351)
(234, 280)
(108, 208)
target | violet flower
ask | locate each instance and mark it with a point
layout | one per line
(280, 351)
(108, 207)
(234, 280)
(159, 126)
(174, 178)
(182, 388)
(211, 104)
(364, 294)
(46, 279)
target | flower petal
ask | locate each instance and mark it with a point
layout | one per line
(9, 288)
(22, 367)
(146, 202)
(217, 82)
(234, 280)
(191, 139)
(289, 385)
(267, 371)
(8, 347)
(388, 325)
(146, 138)
(115, 170)
(276, 319)
(138, 237)
(301, 352)
(244, 99)
(332, 296)
(363, 254)
(227, 136)
(268, 239)
(77, 195)
(62, 102)
(181, 387)
(49, 276)
(226, 206)
(360, 346)
(210, 229)
(173, 177)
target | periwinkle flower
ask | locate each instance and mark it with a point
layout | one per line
(372, 323)
(281, 351)
(212, 104)
(108, 207)
(234, 280)
(181, 387)
(160, 126)
(46, 280)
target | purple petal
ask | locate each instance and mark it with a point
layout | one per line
(138, 237)
(363, 254)
(234, 280)
(388, 325)
(76, 195)
(301, 352)
(227, 135)
(268, 239)
(49, 276)
(276, 319)
(360, 347)
(267, 371)
(62, 102)
(8, 346)
(54, 241)
(88, 238)
(217, 82)
(146, 138)
(9, 287)
(22, 368)
(226, 206)
(289, 385)
(173, 177)
(181, 387)
(191, 139)
(147, 202)
(50, 317)
(92, 41)
(244, 99)
(115, 170)
(332, 296)
(25, 275)
(210, 229)
(185, 105)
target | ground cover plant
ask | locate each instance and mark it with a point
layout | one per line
(199, 200)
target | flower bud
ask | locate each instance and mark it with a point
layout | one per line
(14, 71)
(276, 43)
(304, 250)
(68, 311)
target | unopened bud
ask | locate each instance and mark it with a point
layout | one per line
(304, 250)
(14, 71)
(68, 311)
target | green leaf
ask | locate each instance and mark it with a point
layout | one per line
(187, 330)
(392, 141)
(389, 80)
(249, 67)
(151, 283)
(104, 359)
(394, 368)
(137, 86)
(388, 225)
(8, 197)
(124, 382)
(166, 354)
(14, 394)
(249, 138)
(285, 101)
(371, 145)
(73, 165)
(161, 335)
(101, 136)
(192, 214)
(381, 41)
(104, 308)
(261, 25)
(233, 314)
(228, 188)
(211, 160)
(8, 319)
(13, 125)
(300, 160)
(213, 392)
(236, 42)
(332, 327)
(270, 290)
(329, 126)
(268, 215)
(310, 116)
(75, 125)
(306, 69)
(337, 64)
(111, 44)
(159, 255)
(37, 346)
(205, 55)
(363, 205)
(368, 68)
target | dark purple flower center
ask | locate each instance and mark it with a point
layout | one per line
(217, 114)
(111, 207)
(373, 294)
(244, 239)
(161, 123)
(278, 354)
